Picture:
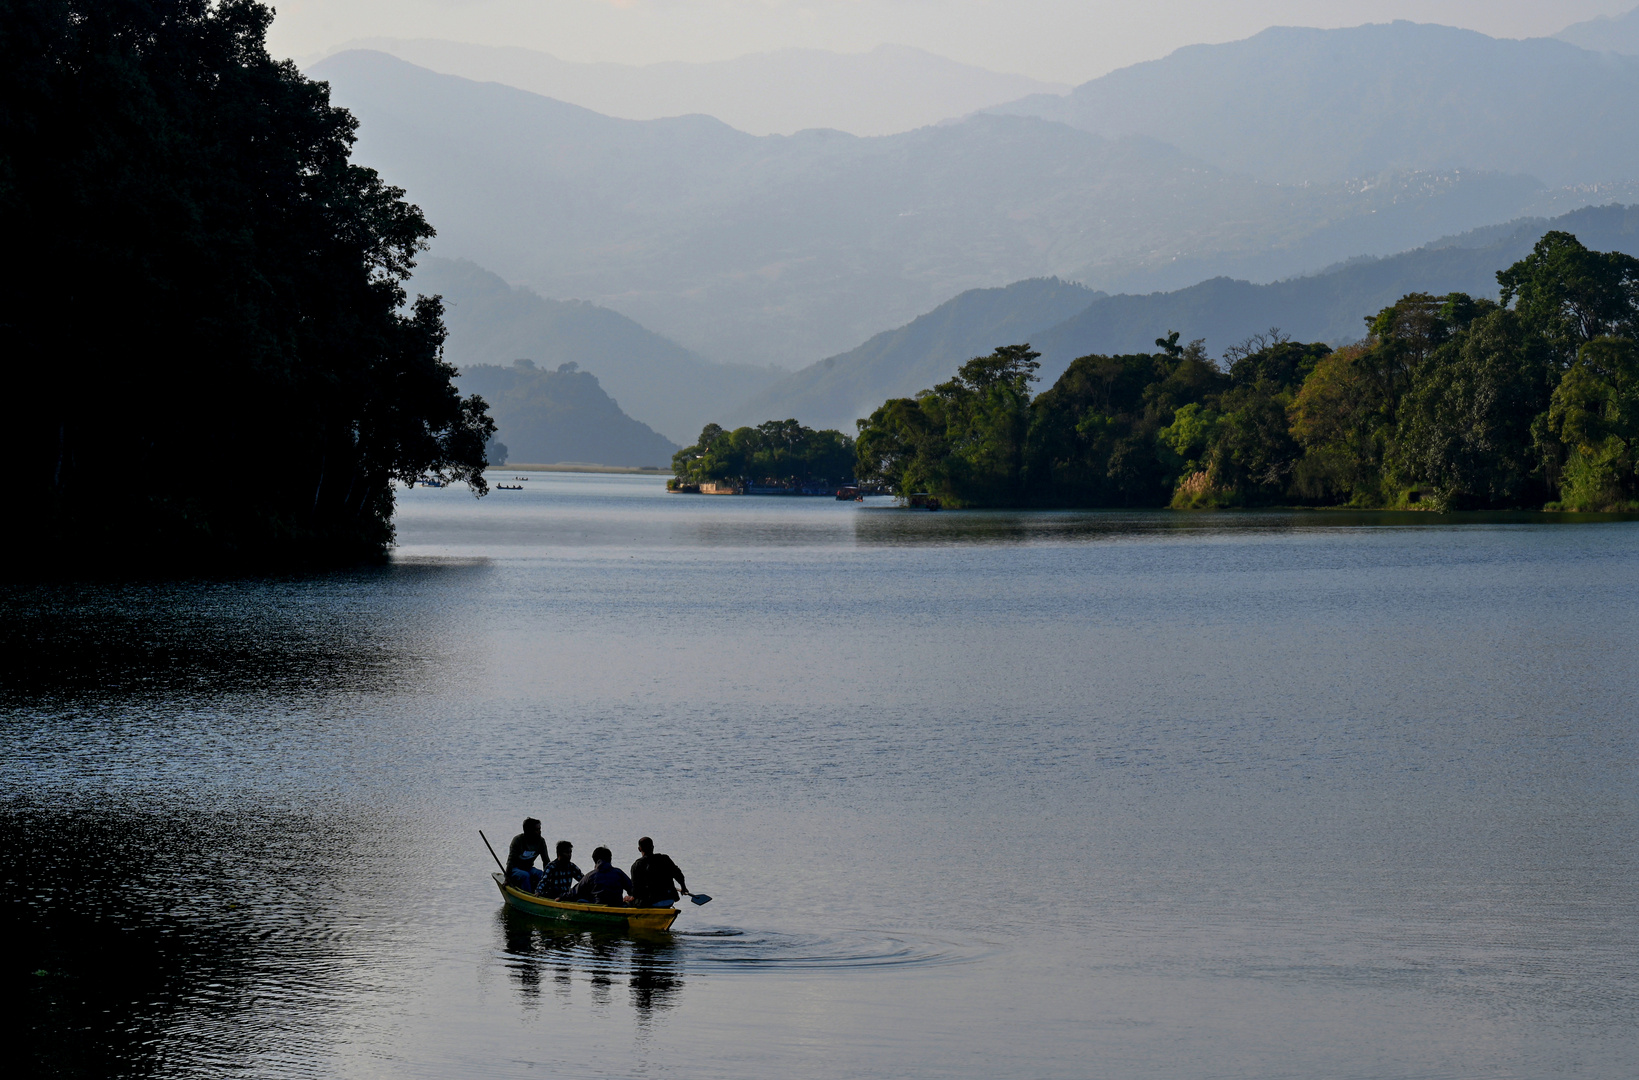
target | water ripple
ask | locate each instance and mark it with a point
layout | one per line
(718, 949)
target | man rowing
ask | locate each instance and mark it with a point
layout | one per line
(652, 877)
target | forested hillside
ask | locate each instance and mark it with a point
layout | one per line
(1449, 402)
(204, 319)
(546, 417)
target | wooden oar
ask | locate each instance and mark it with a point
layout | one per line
(492, 854)
(699, 898)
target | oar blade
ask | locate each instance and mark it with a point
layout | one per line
(699, 898)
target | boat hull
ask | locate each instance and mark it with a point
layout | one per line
(586, 914)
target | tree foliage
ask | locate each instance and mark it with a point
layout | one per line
(1465, 424)
(1594, 416)
(204, 308)
(1097, 438)
(1568, 295)
(779, 453)
(1449, 401)
(964, 439)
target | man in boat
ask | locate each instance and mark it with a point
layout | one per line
(606, 884)
(527, 846)
(561, 874)
(652, 877)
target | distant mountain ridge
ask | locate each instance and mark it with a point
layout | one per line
(655, 380)
(840, 389)
(1295, 105)
(783, 249)
(1329, 306)
(546, 417)
(890, 89)
(1606, 33)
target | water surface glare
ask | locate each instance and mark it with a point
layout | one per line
(976, 794)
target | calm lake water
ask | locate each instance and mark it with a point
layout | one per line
(977, 795)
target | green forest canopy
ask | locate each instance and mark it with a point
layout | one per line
(778, 453)
(1451, 402)
(204, 311)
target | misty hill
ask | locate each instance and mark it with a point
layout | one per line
(656, 381)
(891, 88)
(1607, 33)
(780, 249)
(1293, 104)
(839, 389)
(1329, 306)
(545, 417)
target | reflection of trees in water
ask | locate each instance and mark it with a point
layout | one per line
(885, 526)
(185, 929)
(649, 964)
(897, 526)
(892, 526)
(175, 641)
(161, 939)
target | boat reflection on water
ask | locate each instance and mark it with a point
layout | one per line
(540, 953)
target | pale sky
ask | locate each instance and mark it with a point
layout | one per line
(1060, 40)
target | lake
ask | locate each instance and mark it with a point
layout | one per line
(1233, 795)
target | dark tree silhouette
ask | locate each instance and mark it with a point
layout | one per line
(212, 358)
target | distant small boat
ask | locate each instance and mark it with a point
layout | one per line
(847, 494)
(509, 487)
(585, 914)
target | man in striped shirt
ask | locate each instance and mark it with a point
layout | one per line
(561, 874)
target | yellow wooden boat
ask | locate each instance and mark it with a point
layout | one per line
(650, 918)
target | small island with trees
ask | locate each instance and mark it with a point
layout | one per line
(780, 457)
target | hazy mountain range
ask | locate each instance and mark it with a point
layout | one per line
(652, 379)
(1295, 105)
(891, 88)
(1607, 33)
(1064, 321)
(897, 363)
(1200, 192)
(491, 323)
(781, 249)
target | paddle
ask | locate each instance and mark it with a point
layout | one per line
(699, 898)
(492, 854)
